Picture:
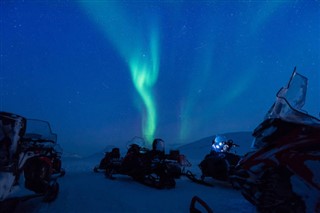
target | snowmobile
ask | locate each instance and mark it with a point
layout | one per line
(29, 161)
(282, 173)
(150, 167)
(221, 160)
(113, 155)
(219, 163)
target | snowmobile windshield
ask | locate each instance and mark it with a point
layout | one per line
(287, 107)
(136, 141)
(290, 100)
(158, 145)
(40, 131)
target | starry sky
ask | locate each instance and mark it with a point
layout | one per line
(102, 72)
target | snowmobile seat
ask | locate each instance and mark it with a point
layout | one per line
(174, 155)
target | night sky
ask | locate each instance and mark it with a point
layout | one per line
(102, 72)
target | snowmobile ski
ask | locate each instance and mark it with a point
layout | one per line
(193, 208)
(194, 179)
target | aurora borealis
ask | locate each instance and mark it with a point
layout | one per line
(104, 71)
(142, 54)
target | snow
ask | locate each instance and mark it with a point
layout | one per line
(82, 190)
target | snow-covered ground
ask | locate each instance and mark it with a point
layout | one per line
(82, 190)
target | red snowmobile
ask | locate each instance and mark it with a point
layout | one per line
(282, 174)
(28, 148)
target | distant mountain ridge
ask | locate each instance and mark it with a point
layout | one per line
(244, 139)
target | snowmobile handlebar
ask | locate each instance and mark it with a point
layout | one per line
(231, 143)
